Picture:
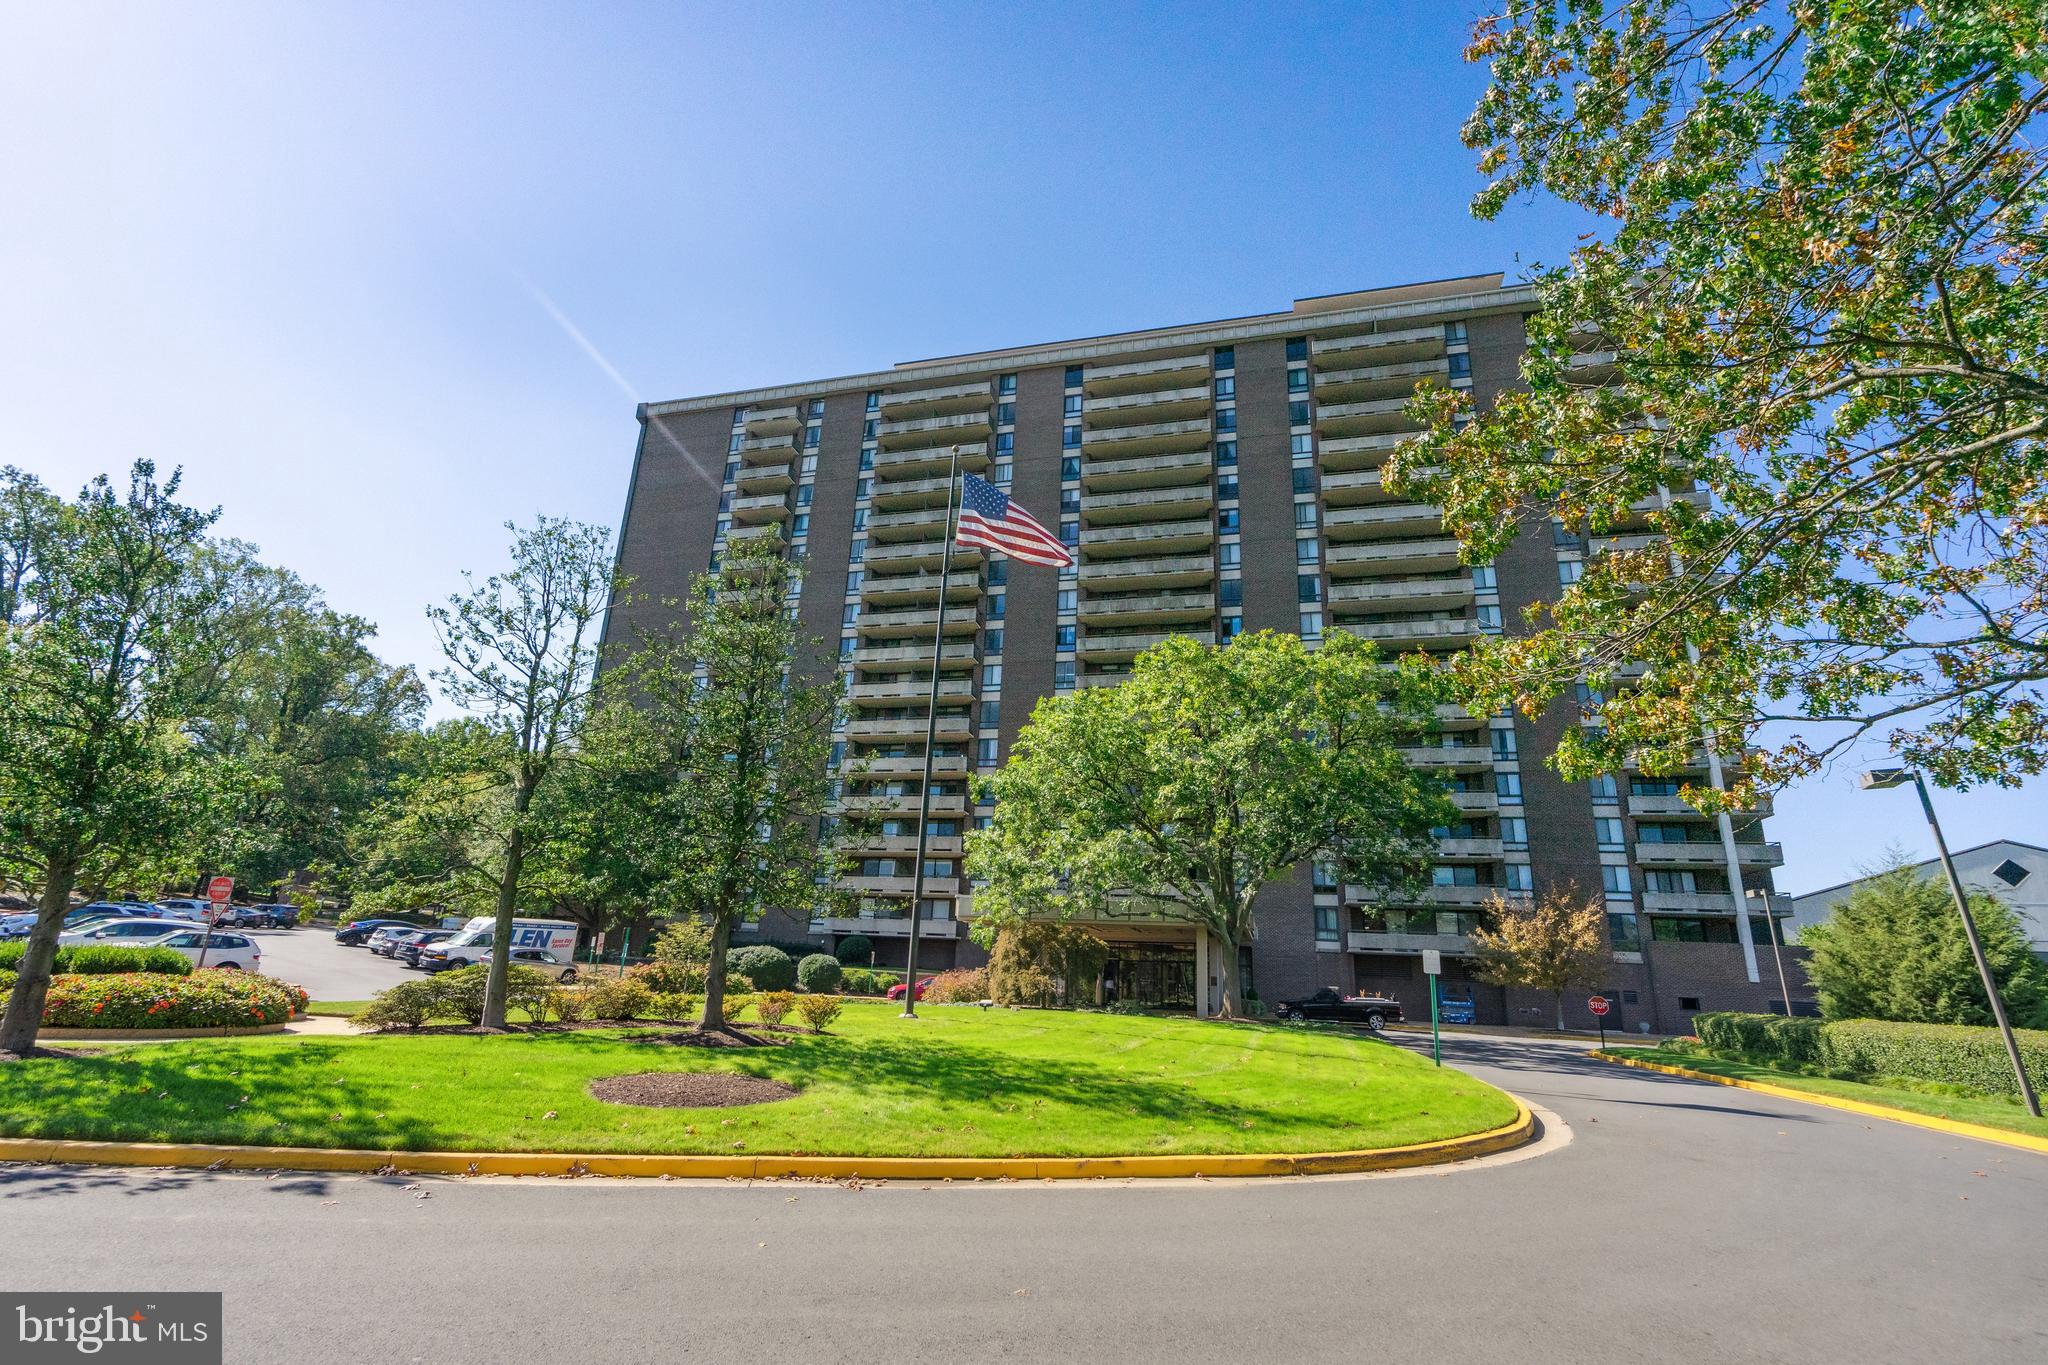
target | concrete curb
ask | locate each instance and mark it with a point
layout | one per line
(1957, 1127)
(1511, 1135)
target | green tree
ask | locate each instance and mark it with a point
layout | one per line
(1553, 943)
(736, 722)
(1207, 774)
(522, 652)
(1036, 962)
(1894, 949)
(1816, 314)
(111, 628)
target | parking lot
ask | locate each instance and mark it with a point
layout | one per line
(311, 958)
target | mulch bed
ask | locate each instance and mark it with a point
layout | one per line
(732, 1035)
(689, 1090)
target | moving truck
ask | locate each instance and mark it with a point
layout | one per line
(473, 943)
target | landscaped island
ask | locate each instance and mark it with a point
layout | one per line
(956, 1082)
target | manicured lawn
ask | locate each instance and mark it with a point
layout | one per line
(956, 1082)
(1993, 1113)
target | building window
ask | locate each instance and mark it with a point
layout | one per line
(1070, 467)
(1297, 348)
(1226, 487)
(1304, 479)
(991, 714)
(1006, 442)
(1568, 571)
(1230, 554)
(1624, 936)
(1001, 472)
(854, 551)
(1488, 616)
(1063, 637)
(1063, 674)
(1226, 452)
(851, 614)
(1308, 587)
(1006, 384)
(869, 428)
(998, 572)
(1066, 601)
(1006, 414)
(732, 470)
(1226, 419)
(802, 524)
(996, 604)
(1519, 877)
(1070, 533)
(1304, 515)
(1603, 788)
(1454, 334)
(1226, 357)
(985, 753)
(1070, 438)
(1326, 923)
(1073, 376)
(1614, 881)
(1301, 445)
(991, 675)
(992, 641)
(2010, 872)
(811, 435)
(734, 444)
(1483, 579)
(846, 646)
(1230, 592)
(1689, 1003)
(1232, 627)
(1461, 366)
(853, 579)
(867, 459)
(1514, 832)
(1297, 414)
(1226, 521)
(1307, 551)
(1507, 786)
(809, 466)
(1297, 381)
(1070, 500)
(1311, 625)
(1607, 832)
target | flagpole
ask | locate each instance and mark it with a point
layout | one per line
(931, 731)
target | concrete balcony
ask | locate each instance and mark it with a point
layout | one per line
(907, 727)
(765, 507)
(769, 449)
(1360, 488)
(891, 494)
(765, 478)
(1593, 367)
(935, 846)
(1155, 438)
(910, 804)
(1388, 521)
(1378, 416)
(1126, 575)
(903, 589)
(1130, 644)
(1394, 594)
(1370, 382)
(1669, 807)
(1475, 803)
(1142, 376)
(912, 765)
(780, 420)
(1714, 903)
(1625, 543)
(870, 657)
(1139, 409)
(919, 432)
(1708, 853)
(1155, 471)
(1452, 634)
(1408, 945)
(1452, 757)
(886, 694)
(1146, 505)
(1388, 347)
(1154, 608)
(928, 462)
(916, 621)
(1358, 452)
(1146, 538)
(921, 523)
(887, 926)
(919, 555)
(1387, 557)
(1469, 849)
(1439, 897)
(935, 400)
(768, 531)
(899, 886)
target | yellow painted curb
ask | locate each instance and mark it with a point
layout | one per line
(1504, 1138)
(1982, 1132)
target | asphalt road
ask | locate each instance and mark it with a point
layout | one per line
(1681, 1222)
(311, 958)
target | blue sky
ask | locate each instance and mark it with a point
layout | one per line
(383, 277)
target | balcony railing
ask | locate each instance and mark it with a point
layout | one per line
(1410, 945)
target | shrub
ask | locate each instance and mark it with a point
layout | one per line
(615, 999)
(409, 1004)
(133, 1000)
(569, 1006)
(1762, 1036)
(672, 1005)
(862, 981)
(667, 978)
(855, 950)
(819, 973)
(961, 987)
(1035, 963)
(737, 1004)
(765, 968)
(770, 1006)
(97, 959)
(462, 991)
(819, 1010)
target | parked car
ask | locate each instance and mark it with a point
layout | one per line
(274, 915)
(472, 942)
(408, 952)
(231, 952)
(357, 932)
(1328, 1003)
(390, 936)
(923, 983)
(127, 933)
(16, 926)
(542, 960)
(195, 911)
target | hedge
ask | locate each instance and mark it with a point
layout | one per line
(1948, 1054)
(766, 968)
(820, 973)
(135, 1000)
(100, 958)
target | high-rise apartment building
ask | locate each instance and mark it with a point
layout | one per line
(1211, 478)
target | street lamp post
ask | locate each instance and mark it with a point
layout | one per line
(1878, 779)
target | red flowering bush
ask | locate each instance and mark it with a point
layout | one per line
(136, 1000)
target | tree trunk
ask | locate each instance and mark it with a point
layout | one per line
(1560, 1011)
(1232, 998)
(501, 933)
(714, 975)
(24, 1016)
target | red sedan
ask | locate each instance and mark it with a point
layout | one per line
(923, 984)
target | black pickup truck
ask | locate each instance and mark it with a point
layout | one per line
(1327, 1003)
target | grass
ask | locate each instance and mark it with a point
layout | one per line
(1988, 1110)
(956, 1082)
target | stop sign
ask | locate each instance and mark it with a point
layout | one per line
(220, 888)
(1598, 1004)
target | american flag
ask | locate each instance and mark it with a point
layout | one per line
(989, 519)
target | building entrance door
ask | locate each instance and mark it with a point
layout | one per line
(1154, 977)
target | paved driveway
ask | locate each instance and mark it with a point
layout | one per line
(328, 971)
(1683, 1222)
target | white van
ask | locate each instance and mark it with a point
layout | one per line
(556, 937)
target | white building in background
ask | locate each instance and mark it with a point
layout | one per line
(2014, 872)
